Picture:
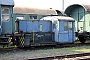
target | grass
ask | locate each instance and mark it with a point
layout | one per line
(81, 49)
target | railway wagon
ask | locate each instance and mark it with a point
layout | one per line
(6, 10)
(27, 13)
(81, 14)
(51, 30)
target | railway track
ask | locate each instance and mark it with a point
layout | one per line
(82, 56)
(45, 53)
(44, 47)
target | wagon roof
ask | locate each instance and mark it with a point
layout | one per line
(57, 18)
(38, 11)
(7, 2)
(73, 6)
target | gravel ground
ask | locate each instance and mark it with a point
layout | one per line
(27, 54)
(22, 55)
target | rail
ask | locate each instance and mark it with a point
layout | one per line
(72, 56)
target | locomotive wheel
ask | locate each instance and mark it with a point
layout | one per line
(81, 39)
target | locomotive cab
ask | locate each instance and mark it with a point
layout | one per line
(63, 27)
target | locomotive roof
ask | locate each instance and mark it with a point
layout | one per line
(38, 11)
(57, 18)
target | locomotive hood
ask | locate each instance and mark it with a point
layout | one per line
(57, 18)
(49, 18)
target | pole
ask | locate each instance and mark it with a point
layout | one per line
(62, 5)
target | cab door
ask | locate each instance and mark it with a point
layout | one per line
(70, 31)
(63, 32)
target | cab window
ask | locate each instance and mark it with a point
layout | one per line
(70, 25)
(65, 26)
(55, 25)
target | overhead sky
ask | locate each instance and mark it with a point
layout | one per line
(55, 4)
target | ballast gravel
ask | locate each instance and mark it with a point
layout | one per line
(22, 55)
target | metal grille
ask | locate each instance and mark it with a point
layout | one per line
(21, 41)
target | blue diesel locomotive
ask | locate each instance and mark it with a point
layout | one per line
(50, 30)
